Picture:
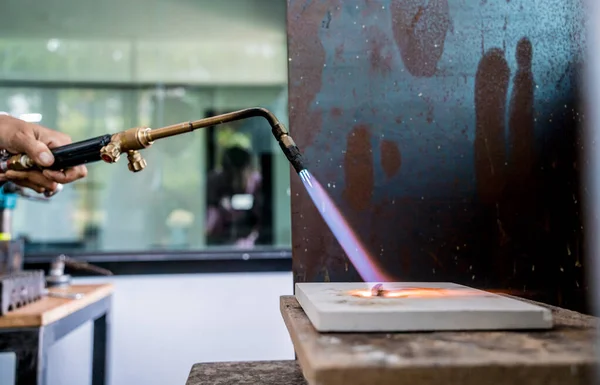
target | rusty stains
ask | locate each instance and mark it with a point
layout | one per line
(420, 29)
(306, 64)
(380, 56)
(459, 222)
(358, 168)
(339, 53)
(369, 8)
(327, 21)
(307, 58)
(482, 40)
(430, 112)
(521, 119)
(491, 86)
(391, 159)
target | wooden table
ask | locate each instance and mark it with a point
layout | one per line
(564, 355)
(247, 373)
(30, 331)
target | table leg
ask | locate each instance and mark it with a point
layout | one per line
(28, 347)
(101, 350)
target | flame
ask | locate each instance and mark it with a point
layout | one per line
(364, 264)
(411, 292)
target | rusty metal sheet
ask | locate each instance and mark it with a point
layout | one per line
(447, 132)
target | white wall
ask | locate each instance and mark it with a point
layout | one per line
(162, 325)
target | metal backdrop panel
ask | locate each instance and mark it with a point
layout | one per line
(447, 132)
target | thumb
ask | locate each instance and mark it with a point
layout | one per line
(38, 151)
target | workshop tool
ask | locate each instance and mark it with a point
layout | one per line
(11, 250)
(56, 276)
(109, 148)
(423, 306)
(20, 288)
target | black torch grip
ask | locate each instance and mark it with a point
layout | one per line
(75, 154)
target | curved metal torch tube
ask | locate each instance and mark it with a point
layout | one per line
(180, 128)
(278, 130)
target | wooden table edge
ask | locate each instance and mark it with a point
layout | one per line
(16, 320)
(305, 366)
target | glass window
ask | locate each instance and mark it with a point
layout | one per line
(221, 186)
(91, 73)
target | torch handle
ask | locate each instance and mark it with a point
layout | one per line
(78, 153)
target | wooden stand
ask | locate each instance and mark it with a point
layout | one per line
(562, 356)
(247, 373)
(31, 331)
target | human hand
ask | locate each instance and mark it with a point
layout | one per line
(18, 136)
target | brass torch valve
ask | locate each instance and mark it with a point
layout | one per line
(130, 142)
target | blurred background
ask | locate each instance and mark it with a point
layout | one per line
(181, 247)
(88, 68)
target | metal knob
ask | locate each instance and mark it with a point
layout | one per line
(110, 153)
(136, 162)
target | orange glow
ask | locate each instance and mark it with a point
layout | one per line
(411, 292)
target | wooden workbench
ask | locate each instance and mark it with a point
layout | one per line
(51, 309)
(564, 355)
(31, 331)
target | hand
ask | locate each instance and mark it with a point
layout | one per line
(18, 136)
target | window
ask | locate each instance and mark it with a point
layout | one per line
(165, 205)
(94, 81)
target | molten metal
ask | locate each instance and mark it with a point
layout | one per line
(409, 292)
(377, 290)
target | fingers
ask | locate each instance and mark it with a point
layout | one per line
(66, 176)
(28, 184)
(34, 180)
(50, 137)
(18, 136)
(22, 137)
(23, 141)
(47, 180)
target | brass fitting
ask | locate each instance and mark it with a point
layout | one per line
(287, 140)
(18, 162)
(136, 162)
(129, 141)
(111, 152)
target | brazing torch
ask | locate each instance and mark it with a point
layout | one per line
(109, 148)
